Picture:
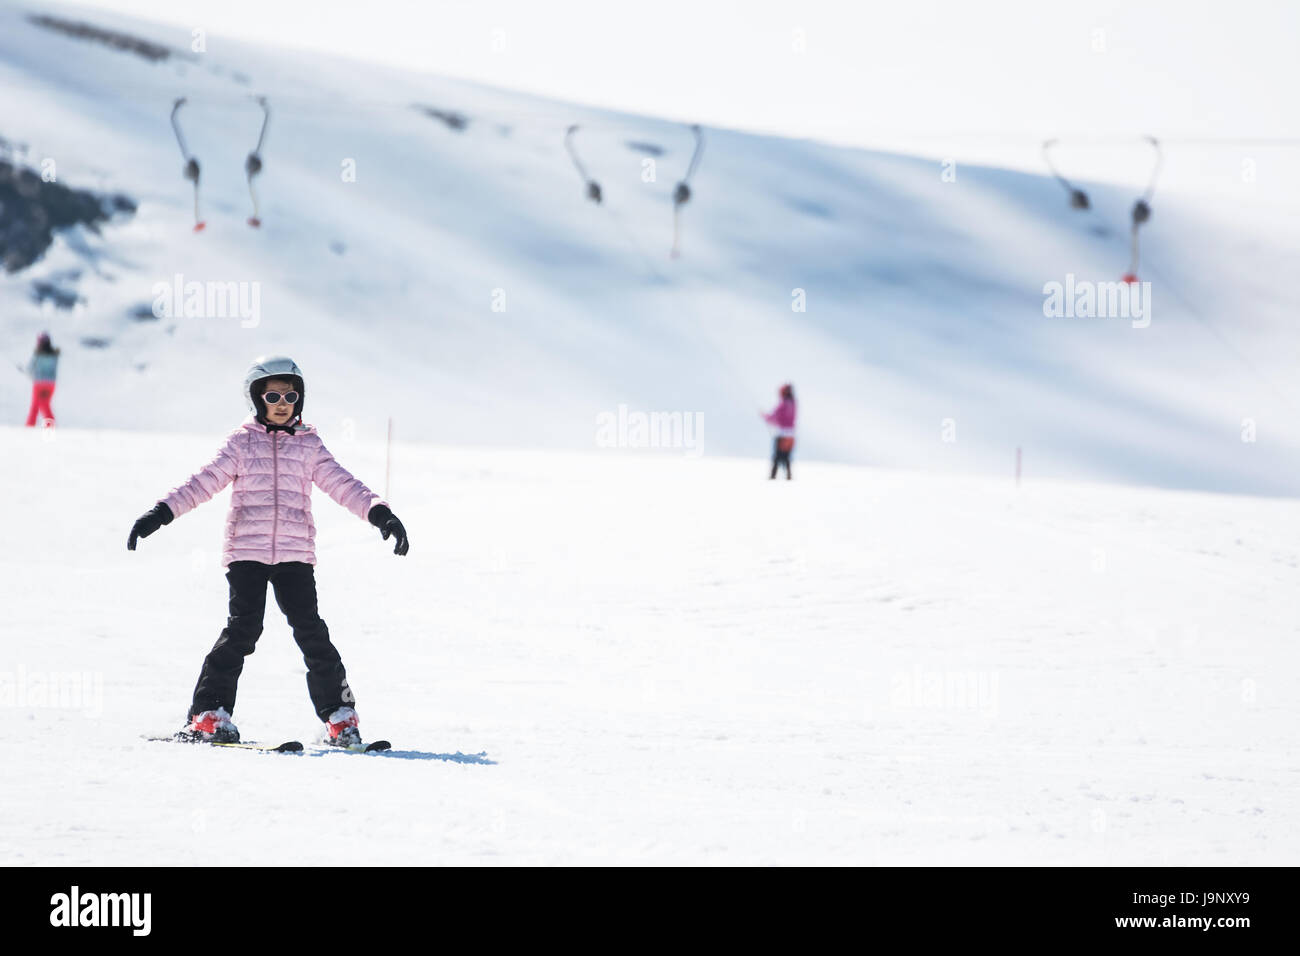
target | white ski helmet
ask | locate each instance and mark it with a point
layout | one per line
(275, 366)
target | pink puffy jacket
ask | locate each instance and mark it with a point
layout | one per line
(270, 506)
(783, 417)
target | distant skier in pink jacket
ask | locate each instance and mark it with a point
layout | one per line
(782, 419)
(273, 459)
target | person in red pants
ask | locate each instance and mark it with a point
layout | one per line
(43, 368)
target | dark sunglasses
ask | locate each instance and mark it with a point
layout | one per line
(273, 398)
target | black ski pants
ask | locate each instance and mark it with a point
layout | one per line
(295, 591)
(779, 458)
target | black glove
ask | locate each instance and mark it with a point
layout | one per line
(387, 523)
(149, 522)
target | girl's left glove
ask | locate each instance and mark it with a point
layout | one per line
(387, 523)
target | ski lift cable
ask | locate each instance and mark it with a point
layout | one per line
(1157, 167)
(625, 230)
(541, 116)
(336, 103)
(684, 306)
(1223, 340)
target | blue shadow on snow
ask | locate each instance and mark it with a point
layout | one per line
(457, 757)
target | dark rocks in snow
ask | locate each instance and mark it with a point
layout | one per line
(338, 247)
(650, 149)
(143, 313)
(457, 122)
(153, 52)
(31, 209)
(13, 151)
(95, 342)
(810, 207)
(59, 290)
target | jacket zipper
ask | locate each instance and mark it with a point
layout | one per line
(275, 489)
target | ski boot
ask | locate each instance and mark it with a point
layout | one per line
(341, 728)
(211, 726)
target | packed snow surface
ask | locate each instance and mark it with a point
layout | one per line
(653, 659)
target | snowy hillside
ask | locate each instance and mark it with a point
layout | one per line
(606, 659)
(463, 285)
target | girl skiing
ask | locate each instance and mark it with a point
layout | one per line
(273, 459)
(782, 417)
(43, 367)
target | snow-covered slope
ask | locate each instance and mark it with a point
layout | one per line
(609, 658)
(924, 296)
